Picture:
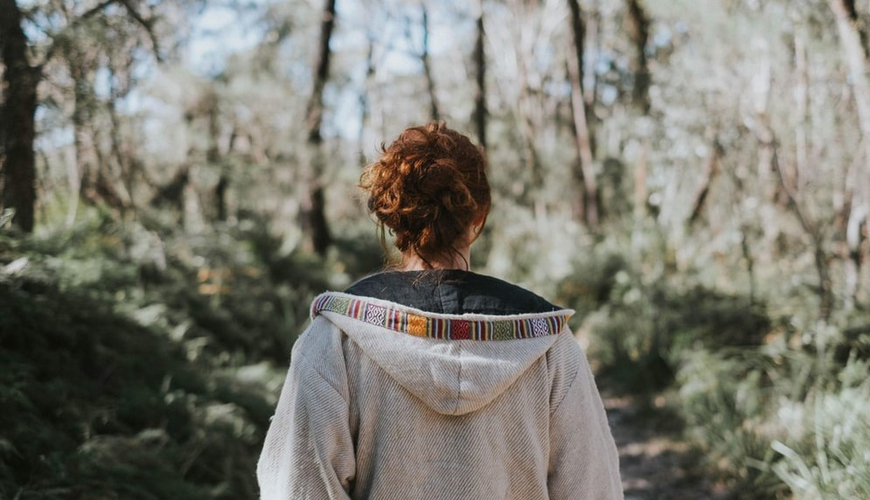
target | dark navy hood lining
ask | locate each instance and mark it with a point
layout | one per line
(451, 291)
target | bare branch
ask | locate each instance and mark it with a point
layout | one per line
(147, 25)
(75, 22)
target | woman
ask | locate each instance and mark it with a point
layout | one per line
(428, 381)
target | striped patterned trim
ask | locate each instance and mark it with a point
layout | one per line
(401, 320)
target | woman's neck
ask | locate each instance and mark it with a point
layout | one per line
(461, 259)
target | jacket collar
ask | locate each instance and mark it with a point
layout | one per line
(451, 292)
(469, 326)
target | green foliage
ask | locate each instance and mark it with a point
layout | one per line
(725, 402)
(639, 328)
(772, 418)
(97, 404)
(135, 366)
(829, 456)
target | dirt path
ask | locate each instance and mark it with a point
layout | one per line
(655, 463)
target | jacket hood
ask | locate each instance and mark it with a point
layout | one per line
(454, 363)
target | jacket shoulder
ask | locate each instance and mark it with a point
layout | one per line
(564, 362)
(320, 349)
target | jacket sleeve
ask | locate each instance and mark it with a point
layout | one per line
(308, 452)
(584, 462)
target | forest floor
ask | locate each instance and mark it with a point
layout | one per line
(656, 462)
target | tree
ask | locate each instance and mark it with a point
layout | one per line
(314, 205)
(427, 66)
(22, 79)
(588, 203)
(853, 43)
(638, 23)
(480, 78)
(19, 108)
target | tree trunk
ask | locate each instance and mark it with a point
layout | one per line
(582, 140)
(480, 91)
(364, 106)
(856, 59)
(801, 101)
(854, 239)
(434, 114)
(590, 79)
(313, 212)
(767, 140)
(852, 14)
(640, 182)
(314, 113)
(220, 196)
(639, 33)
(711, 168)
(85, 158)
(17, 157)
(852, 41)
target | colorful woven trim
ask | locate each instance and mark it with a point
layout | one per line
(401, 320)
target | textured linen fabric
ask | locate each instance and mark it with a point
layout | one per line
(371, 413)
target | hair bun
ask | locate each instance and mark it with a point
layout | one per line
(428, 187)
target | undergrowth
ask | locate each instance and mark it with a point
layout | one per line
(140, 366)
(777, 410)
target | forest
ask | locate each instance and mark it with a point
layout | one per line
(180, 178)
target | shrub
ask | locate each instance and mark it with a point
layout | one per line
(830, 456)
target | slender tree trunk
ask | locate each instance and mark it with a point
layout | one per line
(523, 110)
(480, 91)
(314, 113)
(854, 239)
(313, 213)
(853, 44)
(434, 114)
(364, 106)
(213, 154)
(767, 140)
(639, 33)
(525, 187)
(122, 156)
(220, 195)
(212, 109)
(582, 139)
(17, 156)
(750, 262)
(856, 58)
(590, 79)
(87, 164)
(852, 13)
(801, 100)
(711, 168)
(640, 185)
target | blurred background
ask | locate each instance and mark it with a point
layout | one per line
(179, 180)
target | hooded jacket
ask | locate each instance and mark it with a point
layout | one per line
(447, 385)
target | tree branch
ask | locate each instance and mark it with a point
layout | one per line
(86, 15)
(147, 25)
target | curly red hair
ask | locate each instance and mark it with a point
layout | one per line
(428, 187)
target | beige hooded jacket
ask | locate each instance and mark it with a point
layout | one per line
(383, 401)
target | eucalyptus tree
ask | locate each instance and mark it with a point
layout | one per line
(67, 42)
